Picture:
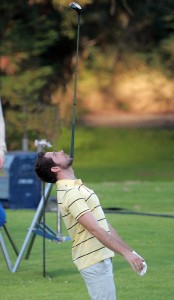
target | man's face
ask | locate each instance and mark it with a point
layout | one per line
(60, 158)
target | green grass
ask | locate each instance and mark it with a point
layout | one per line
(110, 154)
(150, 236)
(154, 197)
(138, 196)
(130, 169)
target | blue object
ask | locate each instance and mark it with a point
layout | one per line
(19, 186)
(2, 216)
(49, 233)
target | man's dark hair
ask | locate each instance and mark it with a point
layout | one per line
(43, 167)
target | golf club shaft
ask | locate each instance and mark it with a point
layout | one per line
(75, 91)
(44, 244)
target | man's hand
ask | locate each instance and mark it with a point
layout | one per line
(1, 162)
(134, 260)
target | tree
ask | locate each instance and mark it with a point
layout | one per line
(38, 42)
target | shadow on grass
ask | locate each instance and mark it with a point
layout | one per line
(122, 211)
(59, 272)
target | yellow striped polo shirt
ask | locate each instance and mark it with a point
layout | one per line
(74, 200)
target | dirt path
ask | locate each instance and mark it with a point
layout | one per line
(129, 120)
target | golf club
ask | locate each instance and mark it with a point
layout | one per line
(77, 8)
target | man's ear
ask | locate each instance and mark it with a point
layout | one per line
(55, 169)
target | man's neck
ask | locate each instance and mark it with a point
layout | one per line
(67, 174)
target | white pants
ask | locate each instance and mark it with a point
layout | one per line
(99, 280)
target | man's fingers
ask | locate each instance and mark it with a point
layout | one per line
(137, 265)
(132, 265)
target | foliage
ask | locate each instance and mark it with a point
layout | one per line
(38, 40)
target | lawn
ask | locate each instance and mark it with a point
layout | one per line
(132, 189)
(150, 236)
(110, 154)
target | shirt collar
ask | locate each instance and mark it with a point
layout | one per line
(69, 182)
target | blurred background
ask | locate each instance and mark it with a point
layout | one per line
(125, 80)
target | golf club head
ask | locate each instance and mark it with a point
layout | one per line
(76, 7)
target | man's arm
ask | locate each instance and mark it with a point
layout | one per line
(118, 238)
(111, 241)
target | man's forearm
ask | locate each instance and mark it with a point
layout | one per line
(117, 238)
(106, 238)
(111, 240)
(115, 243)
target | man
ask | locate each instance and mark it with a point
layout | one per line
(94, 241)
(3, 148)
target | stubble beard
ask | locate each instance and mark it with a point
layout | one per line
(68, 164)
